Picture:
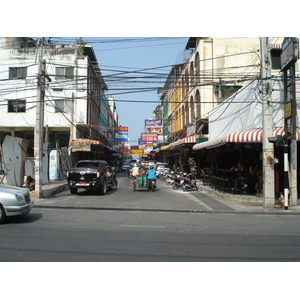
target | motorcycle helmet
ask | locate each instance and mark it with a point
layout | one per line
(151, 167)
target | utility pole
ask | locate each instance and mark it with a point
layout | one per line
(39, 125)
(267, 125)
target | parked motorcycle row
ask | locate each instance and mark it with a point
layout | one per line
(180, 180)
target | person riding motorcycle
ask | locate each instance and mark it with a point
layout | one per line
(135, 170)
(151, 174)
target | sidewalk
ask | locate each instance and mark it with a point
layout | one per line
(50, 189)
(247, 203)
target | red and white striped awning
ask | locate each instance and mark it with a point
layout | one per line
(254, 135)
(187, 140)
(191, 139)
(246, 136)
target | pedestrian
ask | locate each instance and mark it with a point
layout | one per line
(30, 183)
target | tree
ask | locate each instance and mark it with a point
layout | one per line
(81, 44)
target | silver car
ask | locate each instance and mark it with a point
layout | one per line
(14, 201)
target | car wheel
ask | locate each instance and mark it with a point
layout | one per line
(102, 186)
(73, 190)
(2, 214)
(114, 184)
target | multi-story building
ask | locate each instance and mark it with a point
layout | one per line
(216, 68)
(77, 113)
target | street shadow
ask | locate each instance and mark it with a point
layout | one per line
(96, 193)
(30, 218)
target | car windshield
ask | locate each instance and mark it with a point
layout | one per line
(87, 164)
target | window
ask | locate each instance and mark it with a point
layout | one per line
(64, 72)
(59, 106)
(17, 73)
(275, 58)
(16, 105)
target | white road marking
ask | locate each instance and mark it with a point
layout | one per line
(142, 226)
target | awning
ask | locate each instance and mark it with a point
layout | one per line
(166, 147)
(191, 139)
(176, 144)
(246, 136)
(255, 135)
(211, 144)
(187, 140)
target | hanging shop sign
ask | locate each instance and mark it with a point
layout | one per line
(123, 129)
(121, 136)
(149, 137)
(123, 150)
(137, 152)
(153, 123)
(290, 51)
(135, 147)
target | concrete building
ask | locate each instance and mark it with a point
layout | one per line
(77, 114)
(215, 69)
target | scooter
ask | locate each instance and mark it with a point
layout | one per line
(178, 181)
(190, 182)
(169, 178)
(151, 184)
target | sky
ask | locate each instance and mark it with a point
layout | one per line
(119, 58)
(130, 56)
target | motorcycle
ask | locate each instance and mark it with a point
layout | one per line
(169, 178)
(161, 175)
(189, 182)
(151, 184)
(178, 181)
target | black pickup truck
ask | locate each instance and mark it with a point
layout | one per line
(92, 175)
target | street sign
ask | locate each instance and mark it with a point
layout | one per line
(290, 51)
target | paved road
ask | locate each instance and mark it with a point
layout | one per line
(141, 226)
(163, 198)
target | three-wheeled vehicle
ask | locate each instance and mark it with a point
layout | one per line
(141, 181)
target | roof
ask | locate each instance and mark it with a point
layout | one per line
(192, 42)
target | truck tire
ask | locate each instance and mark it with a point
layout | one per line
(73, 190)
(102, 186)
(114, 184)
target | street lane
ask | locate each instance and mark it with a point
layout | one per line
(160, 226)
(116, 236)
(163, 198)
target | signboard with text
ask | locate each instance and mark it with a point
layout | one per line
(149, 137)
(153, 123)
(289, 52)
(124, 129)
(121, 136)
